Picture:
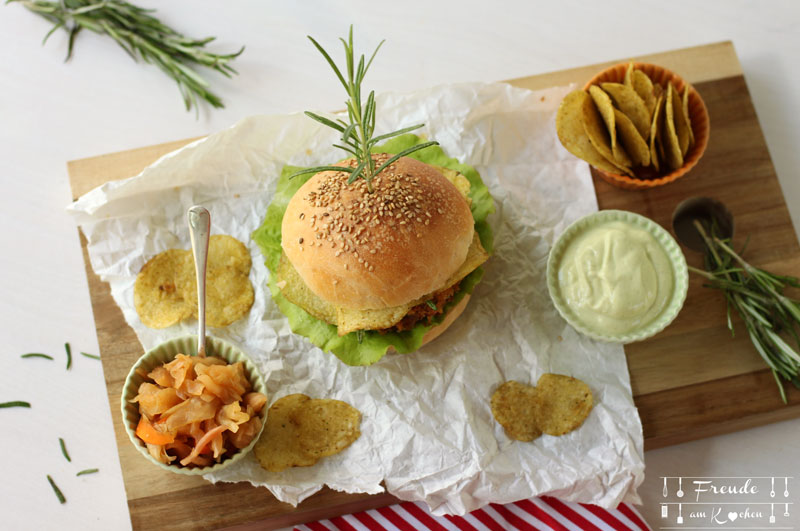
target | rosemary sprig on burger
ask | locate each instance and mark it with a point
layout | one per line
(379, 252)
(357, 134)
(758, 297)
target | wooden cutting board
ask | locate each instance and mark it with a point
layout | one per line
(691, 381)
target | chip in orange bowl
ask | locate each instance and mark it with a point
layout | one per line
(646, 94)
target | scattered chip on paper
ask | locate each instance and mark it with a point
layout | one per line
(301, 430)
(165, 291)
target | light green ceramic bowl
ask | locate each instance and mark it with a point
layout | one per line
(166, 352)
(679, 272)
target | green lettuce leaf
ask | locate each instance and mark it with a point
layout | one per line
(368, 347)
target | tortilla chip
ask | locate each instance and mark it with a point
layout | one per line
(229, 293)
(628, 79)
(644, 88)
(459, 181)
(165, 291)
(514, 406)
(658, 90)
(278, 447)
(670, 141)
(605, 108)
(681, 125)
(685, 106)
(563, 403)
(571, 133)
(633, 142)
(628, 101)
(158, 293)
(300, 431)
(229, 296)
(595, 129)
(326, 426)
(655, 131)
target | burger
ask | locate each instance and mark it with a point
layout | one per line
(361, 272)
(378, 252)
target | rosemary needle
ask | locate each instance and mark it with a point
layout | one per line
(36, 355)
(93, 356)
(69, 355)
(58, 492)
(64, 449)
(88, 471)
(15, 403)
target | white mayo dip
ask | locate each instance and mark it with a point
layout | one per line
(615, 277)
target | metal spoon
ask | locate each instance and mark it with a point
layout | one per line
(199, 229)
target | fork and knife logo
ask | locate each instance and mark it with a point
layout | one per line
(715, 508)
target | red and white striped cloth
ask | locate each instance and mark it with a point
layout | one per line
(536, 514)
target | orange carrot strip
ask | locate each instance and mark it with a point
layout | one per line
(147, 433)
(201, 444)
(217, 444)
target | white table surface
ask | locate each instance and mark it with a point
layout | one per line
(101, 102)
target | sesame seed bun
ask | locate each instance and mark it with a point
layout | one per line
(365, 250)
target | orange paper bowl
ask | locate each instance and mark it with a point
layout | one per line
(698, 115)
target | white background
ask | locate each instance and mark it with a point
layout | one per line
(101, 102)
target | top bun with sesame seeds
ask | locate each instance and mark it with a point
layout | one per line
(362, 250)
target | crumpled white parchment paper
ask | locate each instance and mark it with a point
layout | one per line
(427, 429)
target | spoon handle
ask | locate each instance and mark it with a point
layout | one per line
(199, 229)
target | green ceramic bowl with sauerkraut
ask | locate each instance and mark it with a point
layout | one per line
(167, 352)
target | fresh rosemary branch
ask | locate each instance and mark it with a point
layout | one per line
(140, 35)
(758, 298)
(357, 134)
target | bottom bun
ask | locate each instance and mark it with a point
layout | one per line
(438, 330)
